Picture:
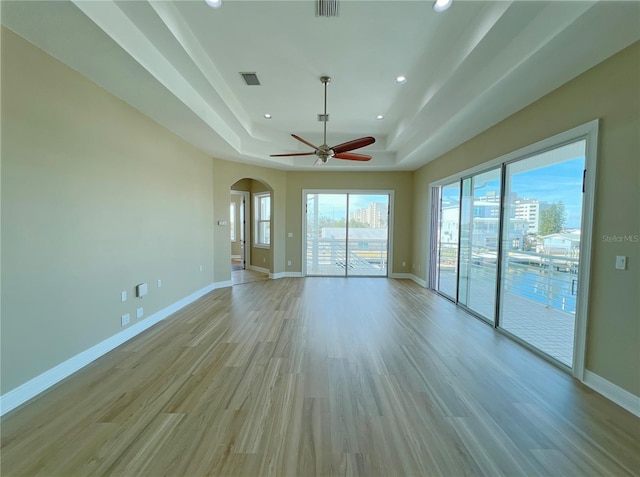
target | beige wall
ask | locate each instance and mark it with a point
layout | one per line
(400, 182)
(96, 198)
(225, 175)
(610, 91)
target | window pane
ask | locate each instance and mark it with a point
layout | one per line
(265, 208)
(479, 242)
(448, 243)
(541, 249)
(262, 219)
(264, 233)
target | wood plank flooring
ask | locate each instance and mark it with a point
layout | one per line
(320, 377)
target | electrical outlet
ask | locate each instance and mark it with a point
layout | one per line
(289, 263)
(621, 262)
(159, 283)
(139, 312)
(200, 267)
(124, 319)
(123, 296)
(404, 264)
(264, 260)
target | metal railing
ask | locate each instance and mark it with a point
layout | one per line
(548, 279)
(366, 256)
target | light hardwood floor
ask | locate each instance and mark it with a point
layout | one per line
(321, 376)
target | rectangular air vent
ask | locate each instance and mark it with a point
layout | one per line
(250, 78)
(326, 8)
(323, 118)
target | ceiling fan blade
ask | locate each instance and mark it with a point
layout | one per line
(355, 144)
(295, 154)
(352, 156)
(305, 142)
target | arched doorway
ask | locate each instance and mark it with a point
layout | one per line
(250, 213)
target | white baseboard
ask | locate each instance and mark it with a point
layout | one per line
(401, 276)
(278, 275)
(41, 383)
(419, 281)
(225, 284)
(409, 276)
(258, 269)
(621, 397)
(236, 257)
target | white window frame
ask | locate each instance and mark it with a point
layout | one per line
(390, 222)
(259, 241)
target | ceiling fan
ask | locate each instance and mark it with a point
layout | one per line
(341, 151)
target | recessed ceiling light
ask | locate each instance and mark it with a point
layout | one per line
(214, 3)
(379, 116)
(267, 116)
(401, 80)
(441, 5)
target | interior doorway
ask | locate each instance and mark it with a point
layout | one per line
(238, 224)
(250, 231)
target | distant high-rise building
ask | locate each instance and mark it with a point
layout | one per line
(375, 216)
(529, 210)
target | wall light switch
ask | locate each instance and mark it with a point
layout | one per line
(621, 262)
(290, 234)
(123, 296)
(159, 283)
(222, 222)
(139, 312)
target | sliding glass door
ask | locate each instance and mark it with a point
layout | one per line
(449, 231)
(541, 249)
(347, 234)
(479, 222)
(510, 253)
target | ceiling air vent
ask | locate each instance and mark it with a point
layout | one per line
(250, 78)
(326, 8)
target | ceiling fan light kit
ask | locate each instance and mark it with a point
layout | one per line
(340, 151)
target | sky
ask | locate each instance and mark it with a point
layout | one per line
(561, 181)
(335, 205)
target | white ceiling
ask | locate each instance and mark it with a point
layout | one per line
(468, 68)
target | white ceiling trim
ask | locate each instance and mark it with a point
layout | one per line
(112, 20)
(180, 30)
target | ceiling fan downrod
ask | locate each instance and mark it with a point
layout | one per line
(324, 80)
(340, 151)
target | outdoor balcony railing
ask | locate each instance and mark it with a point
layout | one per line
(545, 278)
(329, 256)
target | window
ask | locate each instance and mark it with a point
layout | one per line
(262, 214)
(232, 220)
